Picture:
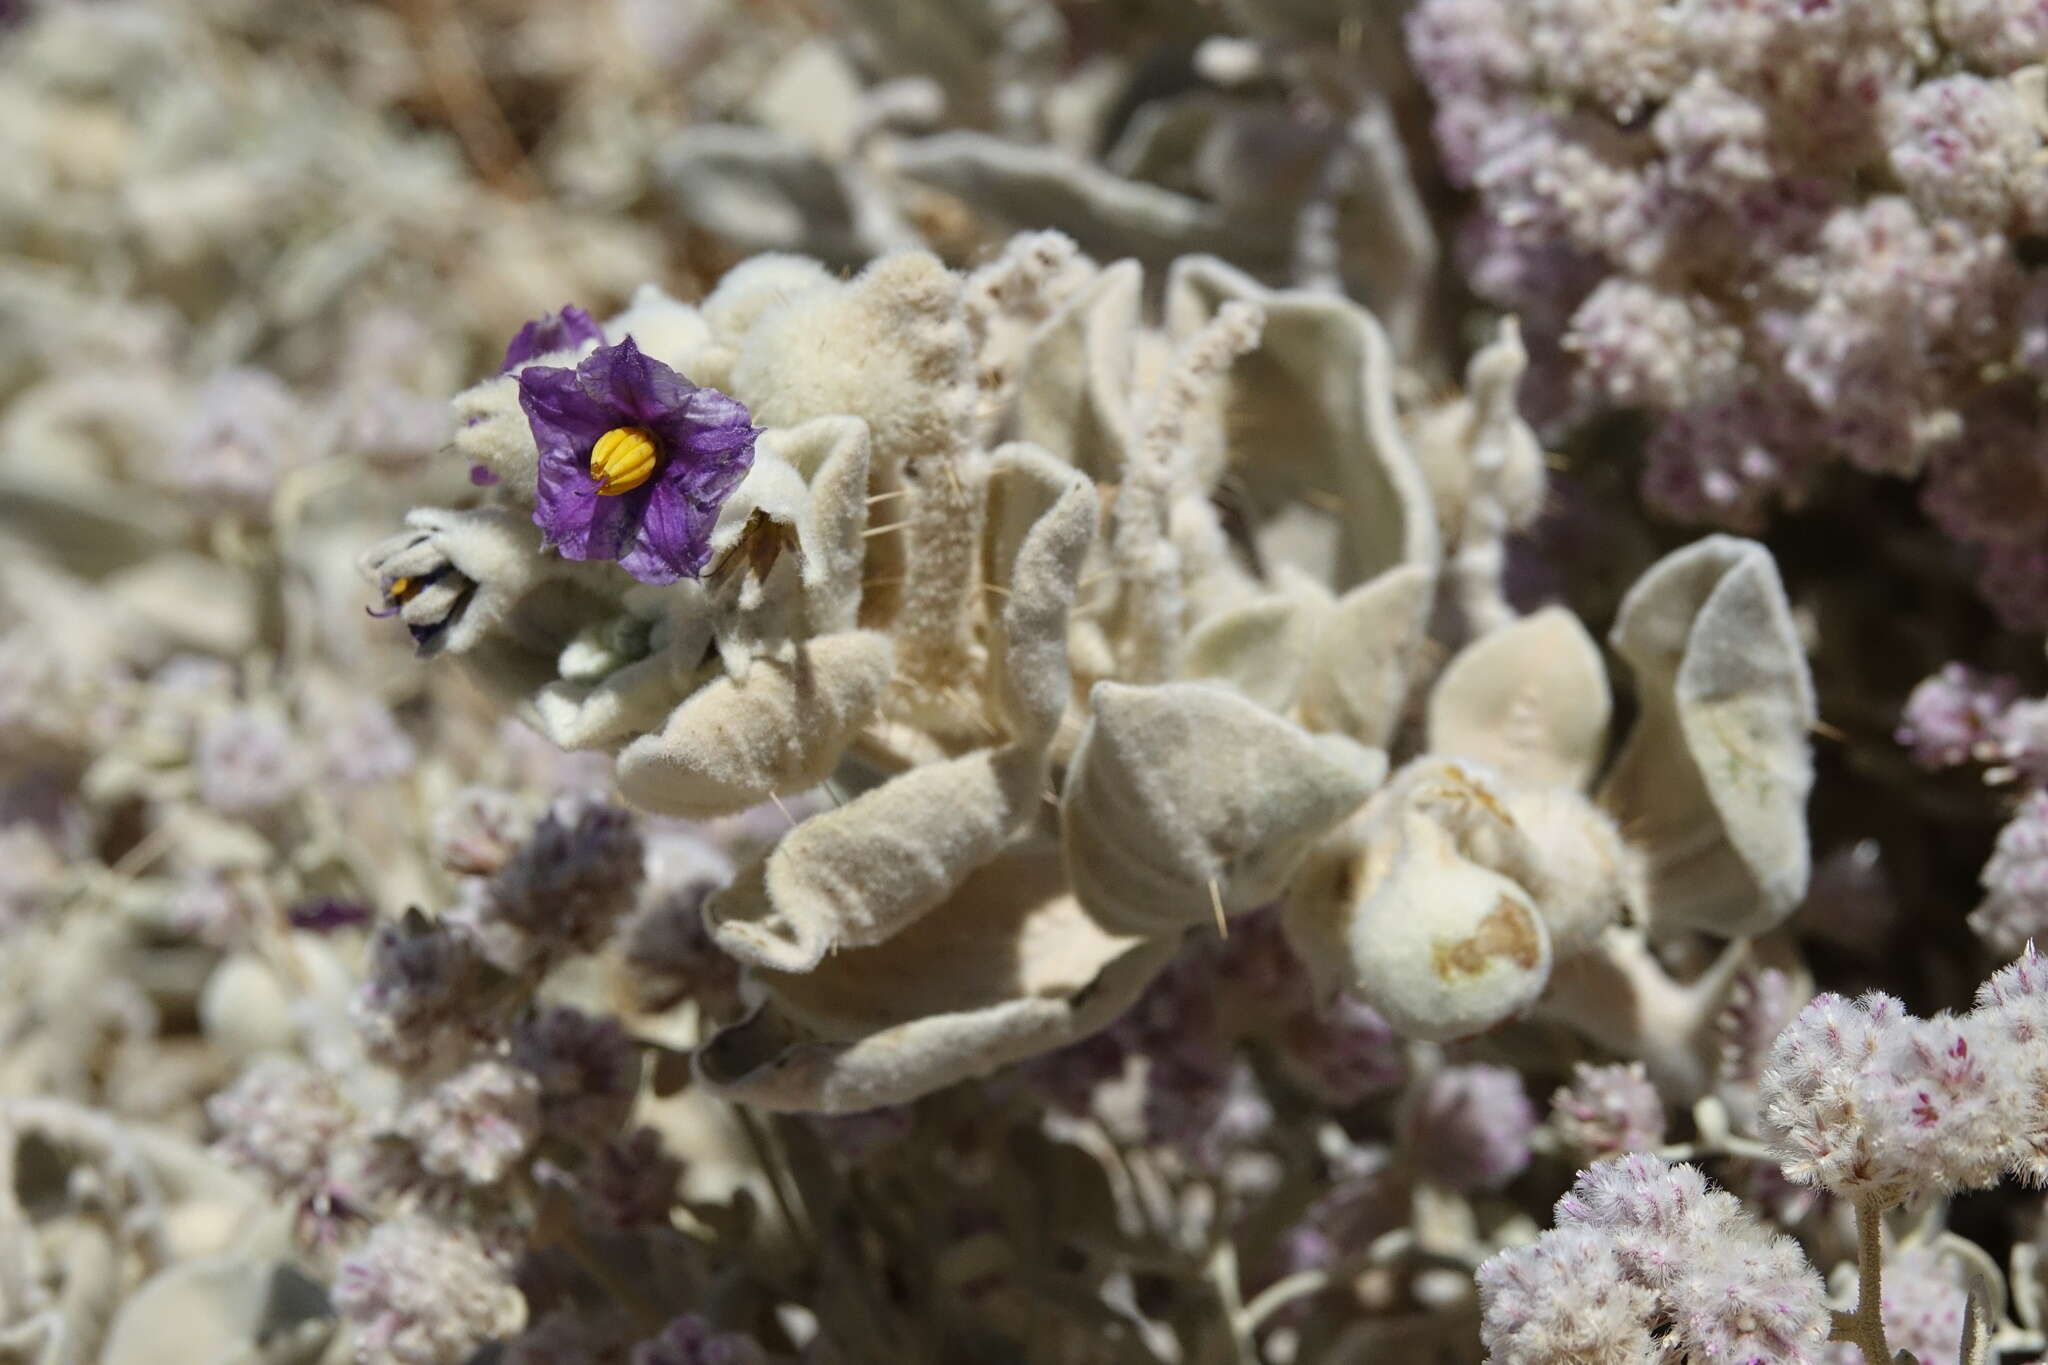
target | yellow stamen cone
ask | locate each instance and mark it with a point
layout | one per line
(622, 460)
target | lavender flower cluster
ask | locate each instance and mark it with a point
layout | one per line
(1789, 233)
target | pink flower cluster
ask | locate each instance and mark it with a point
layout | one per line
(1874, 1104)
(1647, 1261)
(1787, 230)
(1961, 716)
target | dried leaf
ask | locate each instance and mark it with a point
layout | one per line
(1712, 784)
(1359, 669)
(831, 453)
(1005, 969)
(1073, 381)
(1530, 698)
(1312, 416)
(1041, 520)
(1184, 793)
(1263, 647)
(780, 727)
(857, 875)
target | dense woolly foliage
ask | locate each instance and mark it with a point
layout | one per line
(884, 682)
(1791, 233)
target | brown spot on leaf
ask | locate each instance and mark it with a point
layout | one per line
(1508, 931)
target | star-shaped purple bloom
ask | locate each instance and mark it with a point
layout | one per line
(561, 331)
(658, 530)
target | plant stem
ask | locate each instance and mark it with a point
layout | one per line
(771, 1171)
(1222, 1274)
(1865, 1326)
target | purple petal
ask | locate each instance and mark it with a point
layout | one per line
(718, 422)
(574, 518)
(327, 914)
(564, 419)
(483, 476)
(561, 331)
(637, 389)
(674, 539)
(712, 440)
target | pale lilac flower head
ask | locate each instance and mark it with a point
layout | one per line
(362, 742)
(1728, 461)
(419, 1293)
(680, 452)
(245, 432)
(1950, 1087)
(1897, 304)
(1968, 148)
(690, 1340)
(423, 993)
(1343, 1051)
(1607, 1110)
(1468, 1127)
(1728, 1289)
(282, 1120)
(674, 958)
(1875, 1105)
(1717, 142)
(1817, 1108)
(248, 761)
(1067, 1078)
(1363, 1199)
(2012, 1018)
(1996, 35)
(1620, 57)
(1989, 483)
(1471, 54)
(475, 1124)
(569, 330)
(2013, 581)
(1638, 346)
(1953, 717)
(1204, 1100)
(1564, 1298)
(2014, 911)
(1469, 47)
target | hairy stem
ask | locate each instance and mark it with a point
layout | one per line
(1865, 1326)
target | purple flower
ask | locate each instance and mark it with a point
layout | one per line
(635, 460)
(1954, 716)
(588, 1071)
(690, 1340)
(325, 914)
(1468, 1127)
(631, 1180)
(1607, 1110)
(563, 331)
(576, 875)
